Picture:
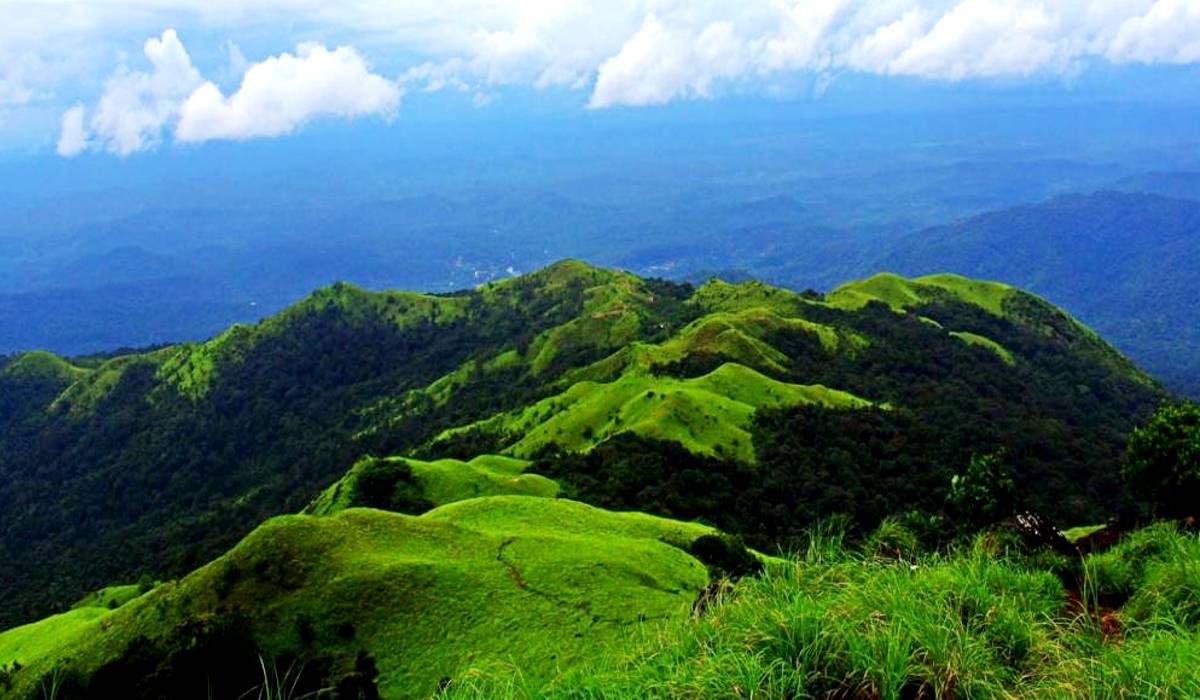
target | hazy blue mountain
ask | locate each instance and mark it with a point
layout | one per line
(177, 244)
(1183, 185)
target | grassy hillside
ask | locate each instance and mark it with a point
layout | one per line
(431, 484)
(538, 583)
(709, 415)
(146, 465)
(984, 622)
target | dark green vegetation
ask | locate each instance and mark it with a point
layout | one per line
(751, 408)
(1163, 461)
(1124, 263)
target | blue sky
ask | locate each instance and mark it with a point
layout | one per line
(123, 77)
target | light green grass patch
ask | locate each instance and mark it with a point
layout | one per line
(446, 481)
(720, 296)
(82, 397)
(901, 293)
(110, 597)
(838, 623)
(989, 295)
(194, 367)
(709, 415)
(1078, 533)
(51, 636)
(44, 366)
(986, 343)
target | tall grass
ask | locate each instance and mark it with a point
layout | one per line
(52, 684)
(276, 686)
(979, 623)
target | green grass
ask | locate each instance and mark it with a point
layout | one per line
(81, 398)
(43, 366)
(978, 623)
(989, 295)
(1155, 575)
(708, 415)
(542, 584)
(901, 293)
(50, 637)
(446, 481)
(110, 597)
(986, 343)
(192, 368)
(524, 598)
(720, 296)
(734, 336)
(1075, 534)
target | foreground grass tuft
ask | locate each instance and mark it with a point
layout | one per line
(979, 623)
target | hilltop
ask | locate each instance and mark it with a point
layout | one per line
(1124, 262)
(375, 599)
(749, 408)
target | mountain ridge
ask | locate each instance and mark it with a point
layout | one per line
(182, 450)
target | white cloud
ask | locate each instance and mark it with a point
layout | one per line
(73, 138)
(625, 52)
(13, 92)
(136, 106)
(275, 97)
(986, 38)
(1169, 32)
(282, 92)
(658, 65)
(689, 50)
(876, 51)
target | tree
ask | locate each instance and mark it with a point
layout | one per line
(1162, 460)
(984, 493)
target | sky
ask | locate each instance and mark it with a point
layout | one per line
(123, 77)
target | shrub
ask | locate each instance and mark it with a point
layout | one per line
(725, 556)
(1162, 460)
(984, 493)
(389, 485)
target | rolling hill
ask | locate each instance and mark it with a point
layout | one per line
(753, 409)
(390, 600)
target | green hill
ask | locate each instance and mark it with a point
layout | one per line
(629, 393)
(410, 485)
(532, 582)
(709, 415)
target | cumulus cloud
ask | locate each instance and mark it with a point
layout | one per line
(985, 38)
(658, 65)
(622, 52)
(274, 98)
(73, 138)
(1169, 32)
(136, 106)
(284, 91)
